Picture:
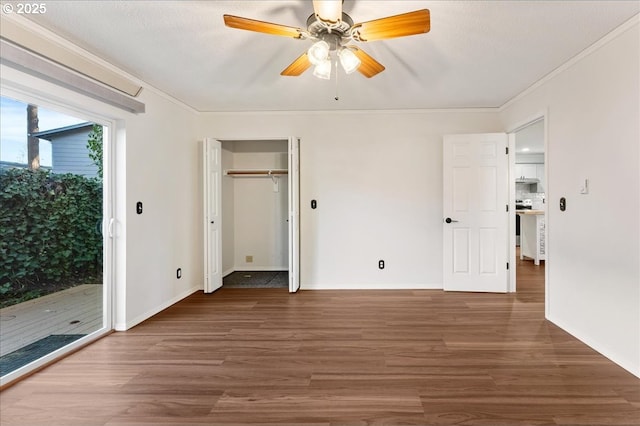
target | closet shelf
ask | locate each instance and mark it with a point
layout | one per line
(255, 172)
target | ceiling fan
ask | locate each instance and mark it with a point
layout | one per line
(332, 30)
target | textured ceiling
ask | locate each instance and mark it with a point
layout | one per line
(477, 54)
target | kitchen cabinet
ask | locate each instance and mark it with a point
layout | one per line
(526, 171)
(532, 235)
(540, 175)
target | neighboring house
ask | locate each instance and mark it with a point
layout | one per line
(69, 153)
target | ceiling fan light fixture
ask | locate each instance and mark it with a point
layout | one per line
(323, 70)
(349, 61)
(318, 52)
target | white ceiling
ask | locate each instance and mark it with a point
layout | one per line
(477, 54)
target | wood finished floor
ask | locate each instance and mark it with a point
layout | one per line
(262, 356)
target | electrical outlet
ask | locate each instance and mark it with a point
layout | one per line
(248, 259)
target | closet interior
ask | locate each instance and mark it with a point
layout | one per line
(255, 240)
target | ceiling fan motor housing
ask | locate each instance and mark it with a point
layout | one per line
(334, 35)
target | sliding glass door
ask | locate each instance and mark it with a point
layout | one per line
(54, 292)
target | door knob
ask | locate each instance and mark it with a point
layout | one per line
(449, 220)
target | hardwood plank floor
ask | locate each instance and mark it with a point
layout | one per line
(263, 356)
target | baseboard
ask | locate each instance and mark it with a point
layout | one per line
(371, 286)
(633, 369)
(154, 311)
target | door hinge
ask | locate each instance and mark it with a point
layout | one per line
(507, 266)
(506, 150)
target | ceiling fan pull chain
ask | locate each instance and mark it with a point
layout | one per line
(337, 98)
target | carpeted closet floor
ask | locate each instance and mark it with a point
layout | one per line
(256, 279)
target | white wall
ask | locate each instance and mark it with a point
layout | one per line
(254, 217)
(593, 247)
(377, 178)
(260, 214)
(164, 172)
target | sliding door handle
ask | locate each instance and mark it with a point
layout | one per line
(110, 227)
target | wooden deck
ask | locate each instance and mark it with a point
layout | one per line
(77, 310)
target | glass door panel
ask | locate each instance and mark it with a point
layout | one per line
(51, 240)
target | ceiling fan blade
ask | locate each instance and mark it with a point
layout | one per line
(297, 67)
(368, 66)
(406, 24)
(261, 26)
(328, 11)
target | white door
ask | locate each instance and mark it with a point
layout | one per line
(294, 214)
(212, 167)
(476, 220)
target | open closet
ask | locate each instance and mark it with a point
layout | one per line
(255, 213)
(251, 211)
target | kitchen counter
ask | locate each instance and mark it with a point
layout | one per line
(532, 235)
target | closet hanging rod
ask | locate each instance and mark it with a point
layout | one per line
(256, 172)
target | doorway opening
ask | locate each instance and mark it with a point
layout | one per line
(255, 234)
(528, 180)
(252, 236)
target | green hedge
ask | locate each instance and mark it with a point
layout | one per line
(49, 231)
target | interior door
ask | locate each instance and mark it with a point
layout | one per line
(212, 167)
(476, 220)
(294, 214)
